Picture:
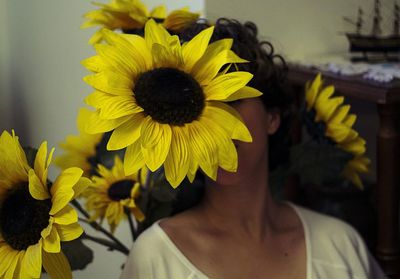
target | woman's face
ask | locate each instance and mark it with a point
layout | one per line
(253, 156)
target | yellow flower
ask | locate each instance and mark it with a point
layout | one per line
(112, 192)
(80, 149)
(133, 14)
(338, 126)
(165, 102)
(34, 217)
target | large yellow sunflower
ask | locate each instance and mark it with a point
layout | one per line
(33, 217)
(80, 149)
(113, 192)
(165, 102)
(133, 14)
(338, 126)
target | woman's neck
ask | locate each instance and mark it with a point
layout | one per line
(245, 208)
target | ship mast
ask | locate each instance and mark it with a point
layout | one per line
(396, 21)
(376, 27)
(360, 21)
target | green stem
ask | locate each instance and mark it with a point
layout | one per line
(97, 226)
(110, 245)
(131, 226)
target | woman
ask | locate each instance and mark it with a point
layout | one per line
(237, 230)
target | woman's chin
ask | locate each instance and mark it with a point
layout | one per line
(227, 178)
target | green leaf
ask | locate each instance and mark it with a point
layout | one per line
(78, 254)
(318, 163)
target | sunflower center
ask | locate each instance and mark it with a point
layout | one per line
(120, 190)
(22, 218)
(169, 96)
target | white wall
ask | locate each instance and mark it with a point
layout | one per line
(301, 28)
(41, 87)
(5, 108)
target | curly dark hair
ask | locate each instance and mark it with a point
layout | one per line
(269, 76)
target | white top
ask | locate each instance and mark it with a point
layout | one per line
(334, 250)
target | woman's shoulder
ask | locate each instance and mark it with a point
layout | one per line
(148, 241)
(324, 230)
(319, 224)
(335, 246)
(153, 255)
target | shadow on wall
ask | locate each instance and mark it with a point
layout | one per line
(19, 118)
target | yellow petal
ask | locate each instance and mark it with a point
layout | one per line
(18, 267)
(340, 114)
(138, 214)
(227, 154)
(114, 213)
(127, 133)
(32, 261)
(350, 120)
(36, 188)
(203, 148)
(177, 162)
(242, 93)
(69, 232)
(66, 216)
(193, 166)
(176, 50)
(339, 132)
(229, 119)
(193, 50)
(356, 146)
(313, 91)
(13, 164)
(208, 67)
(137, 46)
(119, 61)
(11, 272)
(57, 265)
(40, 161)
(133, 158)
(96, 38)
(221, 87)
(155, 33)
(326, 107)
(156, 141)
(95, 64)
(51, 243)
(96, 99)
(159, 12)
(111, 82)
(81, 186)
(7, 255)
(119, 106)
(62, 189)
(353, 177)
(163, 56)
(178, 20)
(46, 231)
(97, 125)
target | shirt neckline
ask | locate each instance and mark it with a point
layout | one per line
(171, 245)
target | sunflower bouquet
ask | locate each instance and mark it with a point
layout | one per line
(148, 131)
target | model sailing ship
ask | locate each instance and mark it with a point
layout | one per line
(375, 42)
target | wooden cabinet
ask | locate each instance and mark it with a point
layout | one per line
(386, 96)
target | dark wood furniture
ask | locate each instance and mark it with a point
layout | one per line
(387, 98)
